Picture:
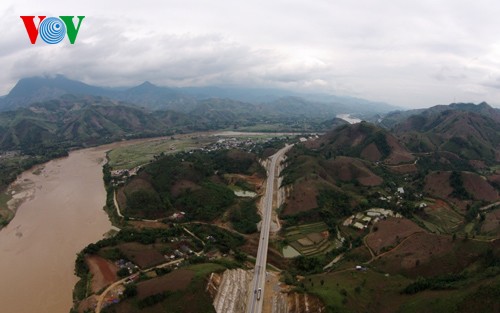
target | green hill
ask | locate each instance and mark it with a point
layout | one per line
(79, 121)
(191, 182)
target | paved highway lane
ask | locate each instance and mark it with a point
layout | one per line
(256, 296)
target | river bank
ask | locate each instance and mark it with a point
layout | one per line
(59, 211)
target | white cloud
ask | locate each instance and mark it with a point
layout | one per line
(403, 52)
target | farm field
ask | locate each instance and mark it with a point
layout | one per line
(176, 280)
(141, 153)
(390, 232)
(425, 255)
(438, 217)
(310, 239)
(182, 290)
(491, 224)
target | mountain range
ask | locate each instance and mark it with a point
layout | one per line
(152, 97)
(54, 110)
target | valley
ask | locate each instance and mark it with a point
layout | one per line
(356, 234)
(250, 157)
(401, 215)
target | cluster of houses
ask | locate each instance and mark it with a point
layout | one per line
(232, 143)
(131, 267)
(182, 252)
(120, 176)
(399, 195)
(363, 219)
(124, 172)
(304, 139)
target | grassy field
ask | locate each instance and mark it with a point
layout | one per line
(143, 152)
(264, 128)
(370, 291)
(355, 291)
(478, 297)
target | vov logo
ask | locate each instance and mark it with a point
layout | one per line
(52, 29)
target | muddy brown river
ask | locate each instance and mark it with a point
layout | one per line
(61, 214)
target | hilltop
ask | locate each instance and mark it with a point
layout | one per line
(469, 132)
(348, 161)
(391, 119)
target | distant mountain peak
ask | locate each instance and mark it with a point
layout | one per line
(147, 83)
(146, 86)
(40, 88)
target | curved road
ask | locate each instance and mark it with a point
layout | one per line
(102, 296)
(256, 296)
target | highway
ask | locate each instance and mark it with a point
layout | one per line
(256, 295)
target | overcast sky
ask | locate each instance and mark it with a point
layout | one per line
(407, 53)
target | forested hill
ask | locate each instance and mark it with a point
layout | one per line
(73, 121)
(195, 183)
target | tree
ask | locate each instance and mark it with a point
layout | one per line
(130, 291)
(122, 272)
(240, 256)
(144, 200)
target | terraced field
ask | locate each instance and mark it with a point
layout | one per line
(310, 239)
(438, 217)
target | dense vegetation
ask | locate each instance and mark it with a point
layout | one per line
(457, 183)
(206, 195)
(217, 237)
(206, 203)
(245, 218)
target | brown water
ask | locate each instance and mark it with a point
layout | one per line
(62, 216)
